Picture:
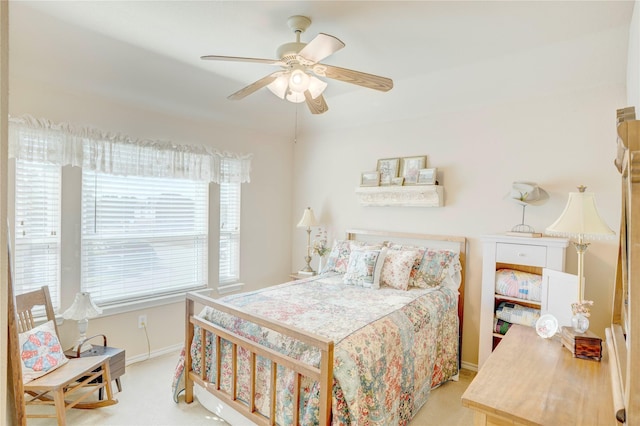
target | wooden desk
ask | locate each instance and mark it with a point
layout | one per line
(529, 380)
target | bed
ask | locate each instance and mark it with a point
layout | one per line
(362, 343)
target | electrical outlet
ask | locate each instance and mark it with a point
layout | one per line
(142, 321)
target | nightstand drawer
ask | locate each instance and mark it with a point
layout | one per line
(521, 254)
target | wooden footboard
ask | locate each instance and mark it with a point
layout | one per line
(323, 375)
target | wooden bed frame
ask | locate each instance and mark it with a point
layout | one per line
(623, 338)
(323, 374)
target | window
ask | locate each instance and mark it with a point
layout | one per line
(229, 269)
(142, 237)
(36, 250)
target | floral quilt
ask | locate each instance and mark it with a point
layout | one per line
(391, 348)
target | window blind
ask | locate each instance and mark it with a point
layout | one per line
(142, 237)
(229, 262)
(37, 228)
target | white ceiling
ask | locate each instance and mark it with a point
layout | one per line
(148, 52)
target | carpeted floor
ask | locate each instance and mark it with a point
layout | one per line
(146, 400)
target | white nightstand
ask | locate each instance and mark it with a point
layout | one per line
(526, 254)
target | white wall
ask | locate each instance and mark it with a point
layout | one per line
(483, 126)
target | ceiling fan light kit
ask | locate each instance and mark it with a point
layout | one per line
(300, 62)
(299, 80)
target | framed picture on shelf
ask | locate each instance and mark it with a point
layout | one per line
(410, 168)
(427, 177)
(370, 178)
(388, 168)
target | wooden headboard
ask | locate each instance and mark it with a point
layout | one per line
(623, 338)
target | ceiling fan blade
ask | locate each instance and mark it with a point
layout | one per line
(317, 105)
(242, 59)
(256, 85)
(355, 77)
(320, 47)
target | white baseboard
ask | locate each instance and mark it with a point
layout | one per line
(469, 366)
(154, 354)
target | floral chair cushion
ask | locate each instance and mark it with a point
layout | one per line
(40, 351)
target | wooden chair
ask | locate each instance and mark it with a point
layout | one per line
(69, 385)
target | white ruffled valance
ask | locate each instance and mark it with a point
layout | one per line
(60, 143)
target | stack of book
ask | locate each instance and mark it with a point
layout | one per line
(582, 345)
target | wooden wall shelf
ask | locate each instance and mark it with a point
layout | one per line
(402, 196)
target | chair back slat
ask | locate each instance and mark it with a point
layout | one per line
(26, 303)
(25, 321)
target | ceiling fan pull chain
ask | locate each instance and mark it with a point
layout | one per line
(295, 126)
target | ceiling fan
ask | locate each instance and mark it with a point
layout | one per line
(298, 80)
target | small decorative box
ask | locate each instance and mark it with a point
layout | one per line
(582, 345)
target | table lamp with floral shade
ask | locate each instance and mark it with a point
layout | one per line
(580, 220)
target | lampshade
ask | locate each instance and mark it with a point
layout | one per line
(316, 87)
(580, 218)
(279, 86)
(308, 219)
(82, 308)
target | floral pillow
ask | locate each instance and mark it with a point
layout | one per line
(40, 351)
(418, 260)
(365, 265)
(438, 267)
(338, 259)
(397, 268)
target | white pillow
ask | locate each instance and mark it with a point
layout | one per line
(365, 265)
(40, 351)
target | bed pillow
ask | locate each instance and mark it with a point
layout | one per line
(40, 351)
(365, 265)
(438, 267)
(523, 285)
(416, 264)
(397, 268)
(338, 258)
